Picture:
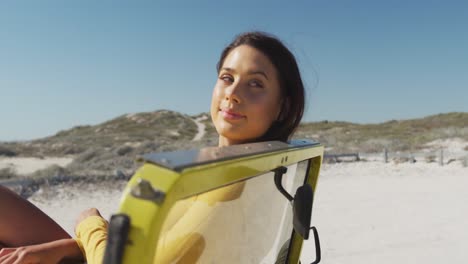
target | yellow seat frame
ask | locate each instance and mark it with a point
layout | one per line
(174, 176)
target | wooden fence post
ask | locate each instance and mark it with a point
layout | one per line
(385, 155)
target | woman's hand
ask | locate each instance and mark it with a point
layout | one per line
(46, 253)
(28, 254)
(85, 214)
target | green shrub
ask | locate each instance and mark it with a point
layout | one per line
(6, 152)
(7, 173)
(49, 172)
(124, 150)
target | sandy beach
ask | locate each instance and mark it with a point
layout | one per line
(366, 212)
(372, 212)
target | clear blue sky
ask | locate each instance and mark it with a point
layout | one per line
(68, 63)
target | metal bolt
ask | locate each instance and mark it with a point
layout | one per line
(144, 190)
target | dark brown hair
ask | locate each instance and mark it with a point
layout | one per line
(292, 88)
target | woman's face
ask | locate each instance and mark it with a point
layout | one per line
(246, 98)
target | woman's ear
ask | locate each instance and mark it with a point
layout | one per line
(284, 110)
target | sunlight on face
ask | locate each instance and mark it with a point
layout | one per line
(246, 98)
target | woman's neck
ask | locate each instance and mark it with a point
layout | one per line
(224, 142)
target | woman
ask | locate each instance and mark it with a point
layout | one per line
(258, 96)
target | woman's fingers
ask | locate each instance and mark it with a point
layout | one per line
(21, 255)
(6, 251)
(85, 214)
(7, 255)
(46, 253)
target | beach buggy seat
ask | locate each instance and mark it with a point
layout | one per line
(249, 203)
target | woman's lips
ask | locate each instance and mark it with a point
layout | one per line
(230, 115)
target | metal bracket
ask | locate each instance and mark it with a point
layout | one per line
(144, 190)
(279, 172)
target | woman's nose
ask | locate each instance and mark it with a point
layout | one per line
(233, 93)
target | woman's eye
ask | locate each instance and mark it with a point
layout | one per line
(255, 83)
(227, 78)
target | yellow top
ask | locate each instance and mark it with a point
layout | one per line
(91, 236)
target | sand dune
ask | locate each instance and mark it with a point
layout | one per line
(25, 165)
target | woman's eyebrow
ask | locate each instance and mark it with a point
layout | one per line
(259, 72)
(228, 69)
(249, 72)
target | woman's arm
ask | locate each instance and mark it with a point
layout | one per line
(91, 231)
